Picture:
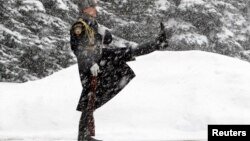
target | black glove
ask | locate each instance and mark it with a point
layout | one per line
(107, 38)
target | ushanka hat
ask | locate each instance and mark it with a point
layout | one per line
(87, 3)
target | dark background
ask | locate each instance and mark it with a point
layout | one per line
(34, 36)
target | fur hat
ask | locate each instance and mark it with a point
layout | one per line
(87, 3)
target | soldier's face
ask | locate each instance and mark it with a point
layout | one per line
(91, 11)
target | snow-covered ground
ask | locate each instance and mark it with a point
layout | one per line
(174, 96)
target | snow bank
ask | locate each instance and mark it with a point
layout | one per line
(12, 33)
(180, 25)
(189, 3)
(41, 109)
(162, 5)
(174, 96)
(32, 5)
(61, 5)
(192, 38)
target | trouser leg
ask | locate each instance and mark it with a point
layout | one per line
(145, 48)
(86, 126)
(91, 125)
(82, 132)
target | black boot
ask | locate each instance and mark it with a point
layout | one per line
(93, 139)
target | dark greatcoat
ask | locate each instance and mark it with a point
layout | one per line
(115, 73)
(114, 76)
